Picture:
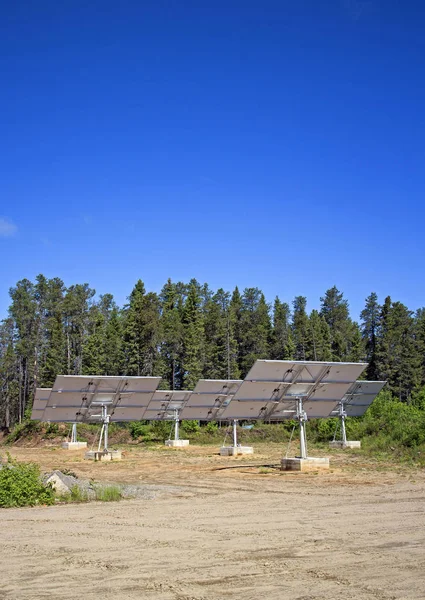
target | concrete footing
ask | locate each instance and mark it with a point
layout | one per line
(176, 443)
(236, 450)
(74, 445)
(342, 445)
(304, 464)
(103, 456)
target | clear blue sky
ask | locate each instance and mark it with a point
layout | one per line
(278, 144)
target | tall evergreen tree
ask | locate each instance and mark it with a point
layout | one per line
(334, 309)
(193, 330)
(76, 306)
(255, 329)
(53, 357)
(171, 349)
(220, 342)
(300, 327)
(282, 345)
(141, 329)
(318, 340)
(420, 340)
(9, 387)
(398, 359)
(369, 327)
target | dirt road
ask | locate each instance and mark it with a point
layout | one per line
(221, 528)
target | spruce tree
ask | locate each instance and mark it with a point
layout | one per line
(318, 342)
(255, 329)
(282, 345)
(300, 327)
(369, 329)
(220, 344)
(193, 336)
(397, 354)
(113, 344)
(140, 332)
(171, 347)
(334, 309)
(420, 340)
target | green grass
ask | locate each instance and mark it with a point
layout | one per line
(76, 495)
(109, 493)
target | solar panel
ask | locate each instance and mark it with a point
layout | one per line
(40, 400)
(360, 396)
(77, 398)
(209, 398)
(274, 385)
(164, 404)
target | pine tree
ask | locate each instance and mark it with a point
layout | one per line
(171, 350)
(369, 328)
(9, 388)
(53, 352)
(255, 329)
(93, 362)
(420, 340)
(141, 329)
(398, 358)
(193, 330)
(334, 309)
(282, 345)
(300, 327)
(23, 312)
(113, 344)
(220, 344)
(318, 342)
(235, 315)
(357, 347)
(76, 307)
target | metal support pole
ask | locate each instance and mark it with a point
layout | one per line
(176, 423)
(302, 418)
(74, 433)
(342, 415)
(101, 437)
(106, 419)
(235, 434)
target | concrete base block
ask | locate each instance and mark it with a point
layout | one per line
(74, 445)
(176, 443)
(103, 456)
(342, 445)
(232, 451)
(304, 464)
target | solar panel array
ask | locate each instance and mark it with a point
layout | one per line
(270, 391)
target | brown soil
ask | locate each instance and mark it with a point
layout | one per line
(226, 528)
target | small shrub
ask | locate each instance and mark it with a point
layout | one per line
(52, 430)
(189, 427)
(21, 485)
(140, 430)
(211, 427)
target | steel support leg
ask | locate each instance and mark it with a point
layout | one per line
(302, 418)
(176, 426)
(74, 433)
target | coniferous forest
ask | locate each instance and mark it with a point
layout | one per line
(189, 331)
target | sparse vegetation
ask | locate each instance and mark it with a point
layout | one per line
(108, 493)
(77, 495)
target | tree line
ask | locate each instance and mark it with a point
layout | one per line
(188, 332)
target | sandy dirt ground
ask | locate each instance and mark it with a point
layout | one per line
(221, 528)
